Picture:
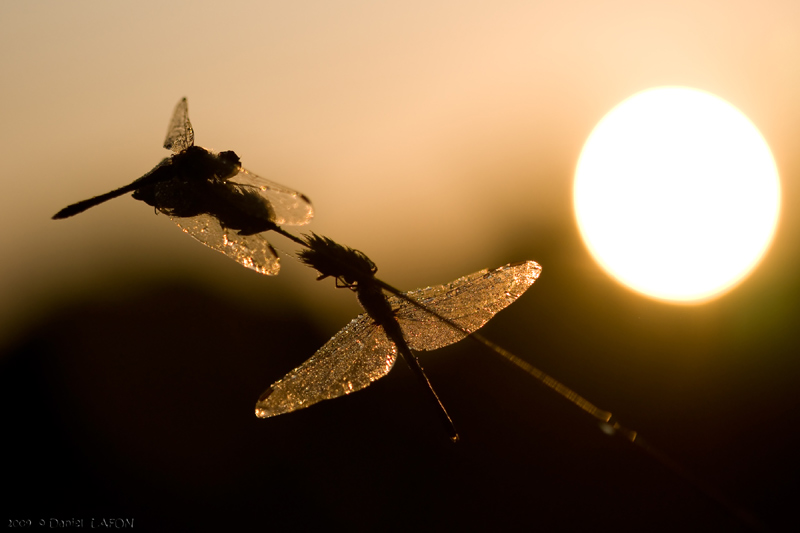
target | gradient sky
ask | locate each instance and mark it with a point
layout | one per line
(428, 133)
(439, 137)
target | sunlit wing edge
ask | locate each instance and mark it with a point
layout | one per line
(291, 207)
(357, 355)
(180, 134)
(487, 292)
(334, 370)
(250, 251)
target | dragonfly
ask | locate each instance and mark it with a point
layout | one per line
(367, 348)
(211, 197)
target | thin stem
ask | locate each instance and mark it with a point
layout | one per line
(549, 381)
(603, 416)
(607, 422)
(291, 237)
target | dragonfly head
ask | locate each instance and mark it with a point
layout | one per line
(230, 157)
(330, 259)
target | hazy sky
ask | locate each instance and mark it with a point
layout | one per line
(439, 137)
(431, 134)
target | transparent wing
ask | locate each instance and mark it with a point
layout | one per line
(361, 353)
(180, 134)
(291, 207)
(355, 357)
(470, 302)
(251, 251)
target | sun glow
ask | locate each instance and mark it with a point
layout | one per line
(676, 194)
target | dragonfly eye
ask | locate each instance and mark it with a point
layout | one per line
(229, 156)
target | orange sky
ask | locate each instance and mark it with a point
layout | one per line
(439, 137)
(431, 134)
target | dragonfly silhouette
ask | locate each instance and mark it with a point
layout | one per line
(367, 348)
(212, 198)
(426, 319)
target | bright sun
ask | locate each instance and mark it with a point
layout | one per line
(677, 194)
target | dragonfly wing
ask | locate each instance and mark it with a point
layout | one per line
(291, 207)
(470, 302)
(355, 357)
(251, 251)
(180, 134)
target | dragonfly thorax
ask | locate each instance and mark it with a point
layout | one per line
(197, 163)
(199, 184)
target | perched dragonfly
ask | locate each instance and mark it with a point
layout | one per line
(212, 198)
(366, 349)
(426, 319)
